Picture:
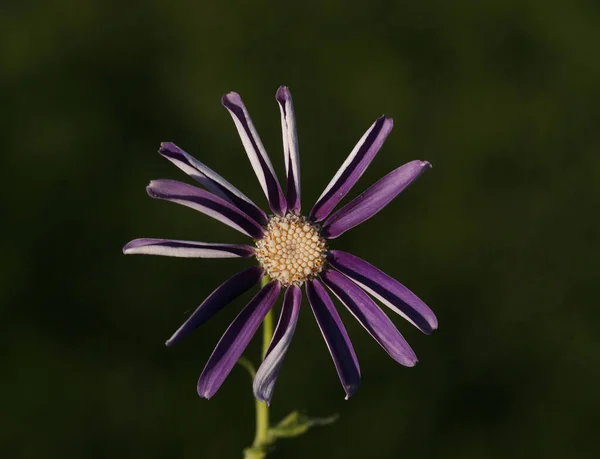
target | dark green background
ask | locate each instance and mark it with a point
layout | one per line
(499, 238)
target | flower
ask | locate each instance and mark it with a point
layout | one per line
(292, 250)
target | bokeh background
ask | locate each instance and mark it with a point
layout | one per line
(499, 238)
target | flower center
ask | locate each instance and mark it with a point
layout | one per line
(291, 250)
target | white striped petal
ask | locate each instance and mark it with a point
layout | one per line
(353, 168)
(256, 152)
(186, 249)
(290, 148)
(211, 180)
(207, 203)
(267, 373)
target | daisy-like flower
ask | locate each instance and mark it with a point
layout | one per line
(293, 251)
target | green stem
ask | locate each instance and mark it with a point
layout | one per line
(262, 409)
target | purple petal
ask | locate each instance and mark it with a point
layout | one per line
(290, 148)
(256, 152)
(387, 290)
(211, 180)
(352, 169)
(187, 249)
(370, 316)
(335, 335)
(217, 300)
(374, 199)
(236, 338)
(265, 378)
(205, 202)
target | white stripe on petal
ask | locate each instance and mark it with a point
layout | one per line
(265, 378)
(210, 180)
(264, 375)
(386, 289)
(383, 300)
(352, 168)
(205, 202)
(370, 316)
(235, 339)
(373, 199)
(290, 148)
(186, 249)
(256, 152)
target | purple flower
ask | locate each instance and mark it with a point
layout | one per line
(292, 250)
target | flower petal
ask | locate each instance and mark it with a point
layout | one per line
(387, 290)
(211, 180)
(290, 148)
(265, 378)
(205, 202)
(370, 316)
(236, 338)
(256, 152)
(335, 335)
(352, 169)
(187, 249)
(217, 300)
(374, 199)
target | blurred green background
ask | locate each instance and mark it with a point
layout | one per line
(499, 238)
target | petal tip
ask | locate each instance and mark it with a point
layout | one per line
(231, 98)
(167, 149)
(127, 247)
(411, 362)
(434, 325)
(426, 164)
(387, 121)
(166, 145)
(350, 391)
(203, 391)
(260, 398)
(150, 189)
(283, 93)
(258, 393)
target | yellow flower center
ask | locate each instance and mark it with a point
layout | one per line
(291, 250)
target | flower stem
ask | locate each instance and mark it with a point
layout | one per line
(262, 409)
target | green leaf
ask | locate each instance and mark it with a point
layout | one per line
(296, 423)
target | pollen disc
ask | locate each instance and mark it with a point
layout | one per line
(292, 250)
